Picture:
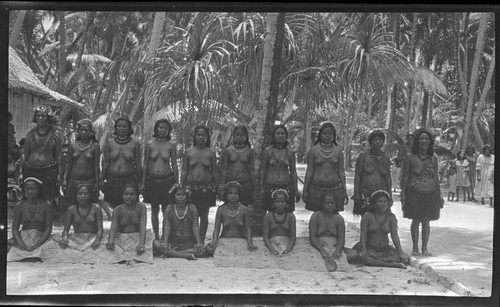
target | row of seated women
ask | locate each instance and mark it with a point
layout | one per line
(181, 238)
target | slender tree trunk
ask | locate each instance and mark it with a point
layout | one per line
(62, 50)
(352, 127)
(307, 133)
(81, 48)
(487, 84)
(425, 104)
(465, 64)
(389, 108)
(154, 43)
(14, 35)
(370, 106)
(476, 133)
(474, 76)
(411, 87)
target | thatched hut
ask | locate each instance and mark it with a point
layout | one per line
(27, 91)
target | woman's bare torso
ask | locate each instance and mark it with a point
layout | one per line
(375, 169)
(199, 166)
(83, 162)
(233, 227)
(238, 167)
(278, 166)
(421, 174)
(42, 150)
(129, 220)
(122, 157)
(378, 230)
(159, 158)
(326, 170)
(83, 223)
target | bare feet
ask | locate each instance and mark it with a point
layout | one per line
(331, 265)
(425, 252)
(191, 257)
(415, 252)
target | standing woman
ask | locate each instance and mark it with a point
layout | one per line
(463, 183)
(42, 153)
(471, 156)
(83, 165)
(278, 170)
(237, 164)
(199, 174)
(160, 171)
(325, 171)
(121, 162)
(485, 170)
(372, 173)
(421, 195)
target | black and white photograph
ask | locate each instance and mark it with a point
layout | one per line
(202, 153)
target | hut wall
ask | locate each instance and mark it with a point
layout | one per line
(21, 106)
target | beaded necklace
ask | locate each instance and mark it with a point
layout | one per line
(233, 212)
(36, 212)
(121, 141)
(284, 219)
(326, 154)
(85, 148)
(177, 213)
(160, 140)
(81, 215)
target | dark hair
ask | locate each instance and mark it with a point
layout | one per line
(130, 129)
(176, 187)
(323, 127)
(245, 131)
(468, 147)
(51, 119)
(375, 196)
(91, 127)
(207, 143)
(374, 134)
(38, 185)
(324, 195)
(416, 142)
(230, 185)
(286, 134)
(22, 141)
(131, 185)
(487, 146)
(82, 185)
(157, 124)
(460, 155)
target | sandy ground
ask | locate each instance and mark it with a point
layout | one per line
(170, 276)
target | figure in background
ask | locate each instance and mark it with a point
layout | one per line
(372, 172)
(471, 156)
(199, 175)
(421, 195)
(42, 153)
(237, 164)
(403, 151)
(485, 174)
(160, 171)
(325, 171)
(463, 170)
(279, 232)
(82, 166)
(121, 162)
(452, 180)
(376, 224)
(278, 170)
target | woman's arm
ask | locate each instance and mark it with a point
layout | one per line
(387, 176)
(217, 225)
(67, 226)
(293, 173)
(364, 234)
(224, 163)
(105, 162)
(173, 162)
(341, 174)
(97, 157)
(309, 175)
(185, 170)
(58, 158)
(394, 234)
(213, 168)
(266, 234)
(114, 226)
(292, 224)
(100, 230)
(252, 168)
(16, 224)
(145, 168)
(69, 166)
(137, 161)
(340, 237)
(166, 224)
(405, 177)
(435, 175)
(48, 226)
(142, 225)
(263, 168)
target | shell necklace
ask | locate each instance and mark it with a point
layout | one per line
(85, 148)
(122, 141)
(177, 213)
(81, 215)
(378, 222)
(328, 153)
(36, 212)
(160, 140)
(233, 212)
(284, 219)
(328, 232)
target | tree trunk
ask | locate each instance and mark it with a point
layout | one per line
(352, 128)
(425, 104)
(156, 34)
(475, 132)
(487, 84)
(412, 85)
(14, 35)
(81, 48)
(474, 76)
(307, 133)
(389, 108)
(265, 83)
(62, 50)
(430, 107)
(370, 106)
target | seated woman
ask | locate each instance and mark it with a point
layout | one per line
(34, 215)
(376, 224)
(128, 227)
(233, 217)
(279, 232)
(181, 235)
(327, 231)
(85, 217)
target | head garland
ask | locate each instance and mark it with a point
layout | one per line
(278, 192)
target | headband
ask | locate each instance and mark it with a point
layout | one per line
(42, 109)
(273, 194)
(33, 179)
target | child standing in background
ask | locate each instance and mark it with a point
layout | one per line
(452, 180)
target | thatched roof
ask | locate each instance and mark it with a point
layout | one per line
(23, 79)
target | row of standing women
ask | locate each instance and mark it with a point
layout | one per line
(121, 164)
